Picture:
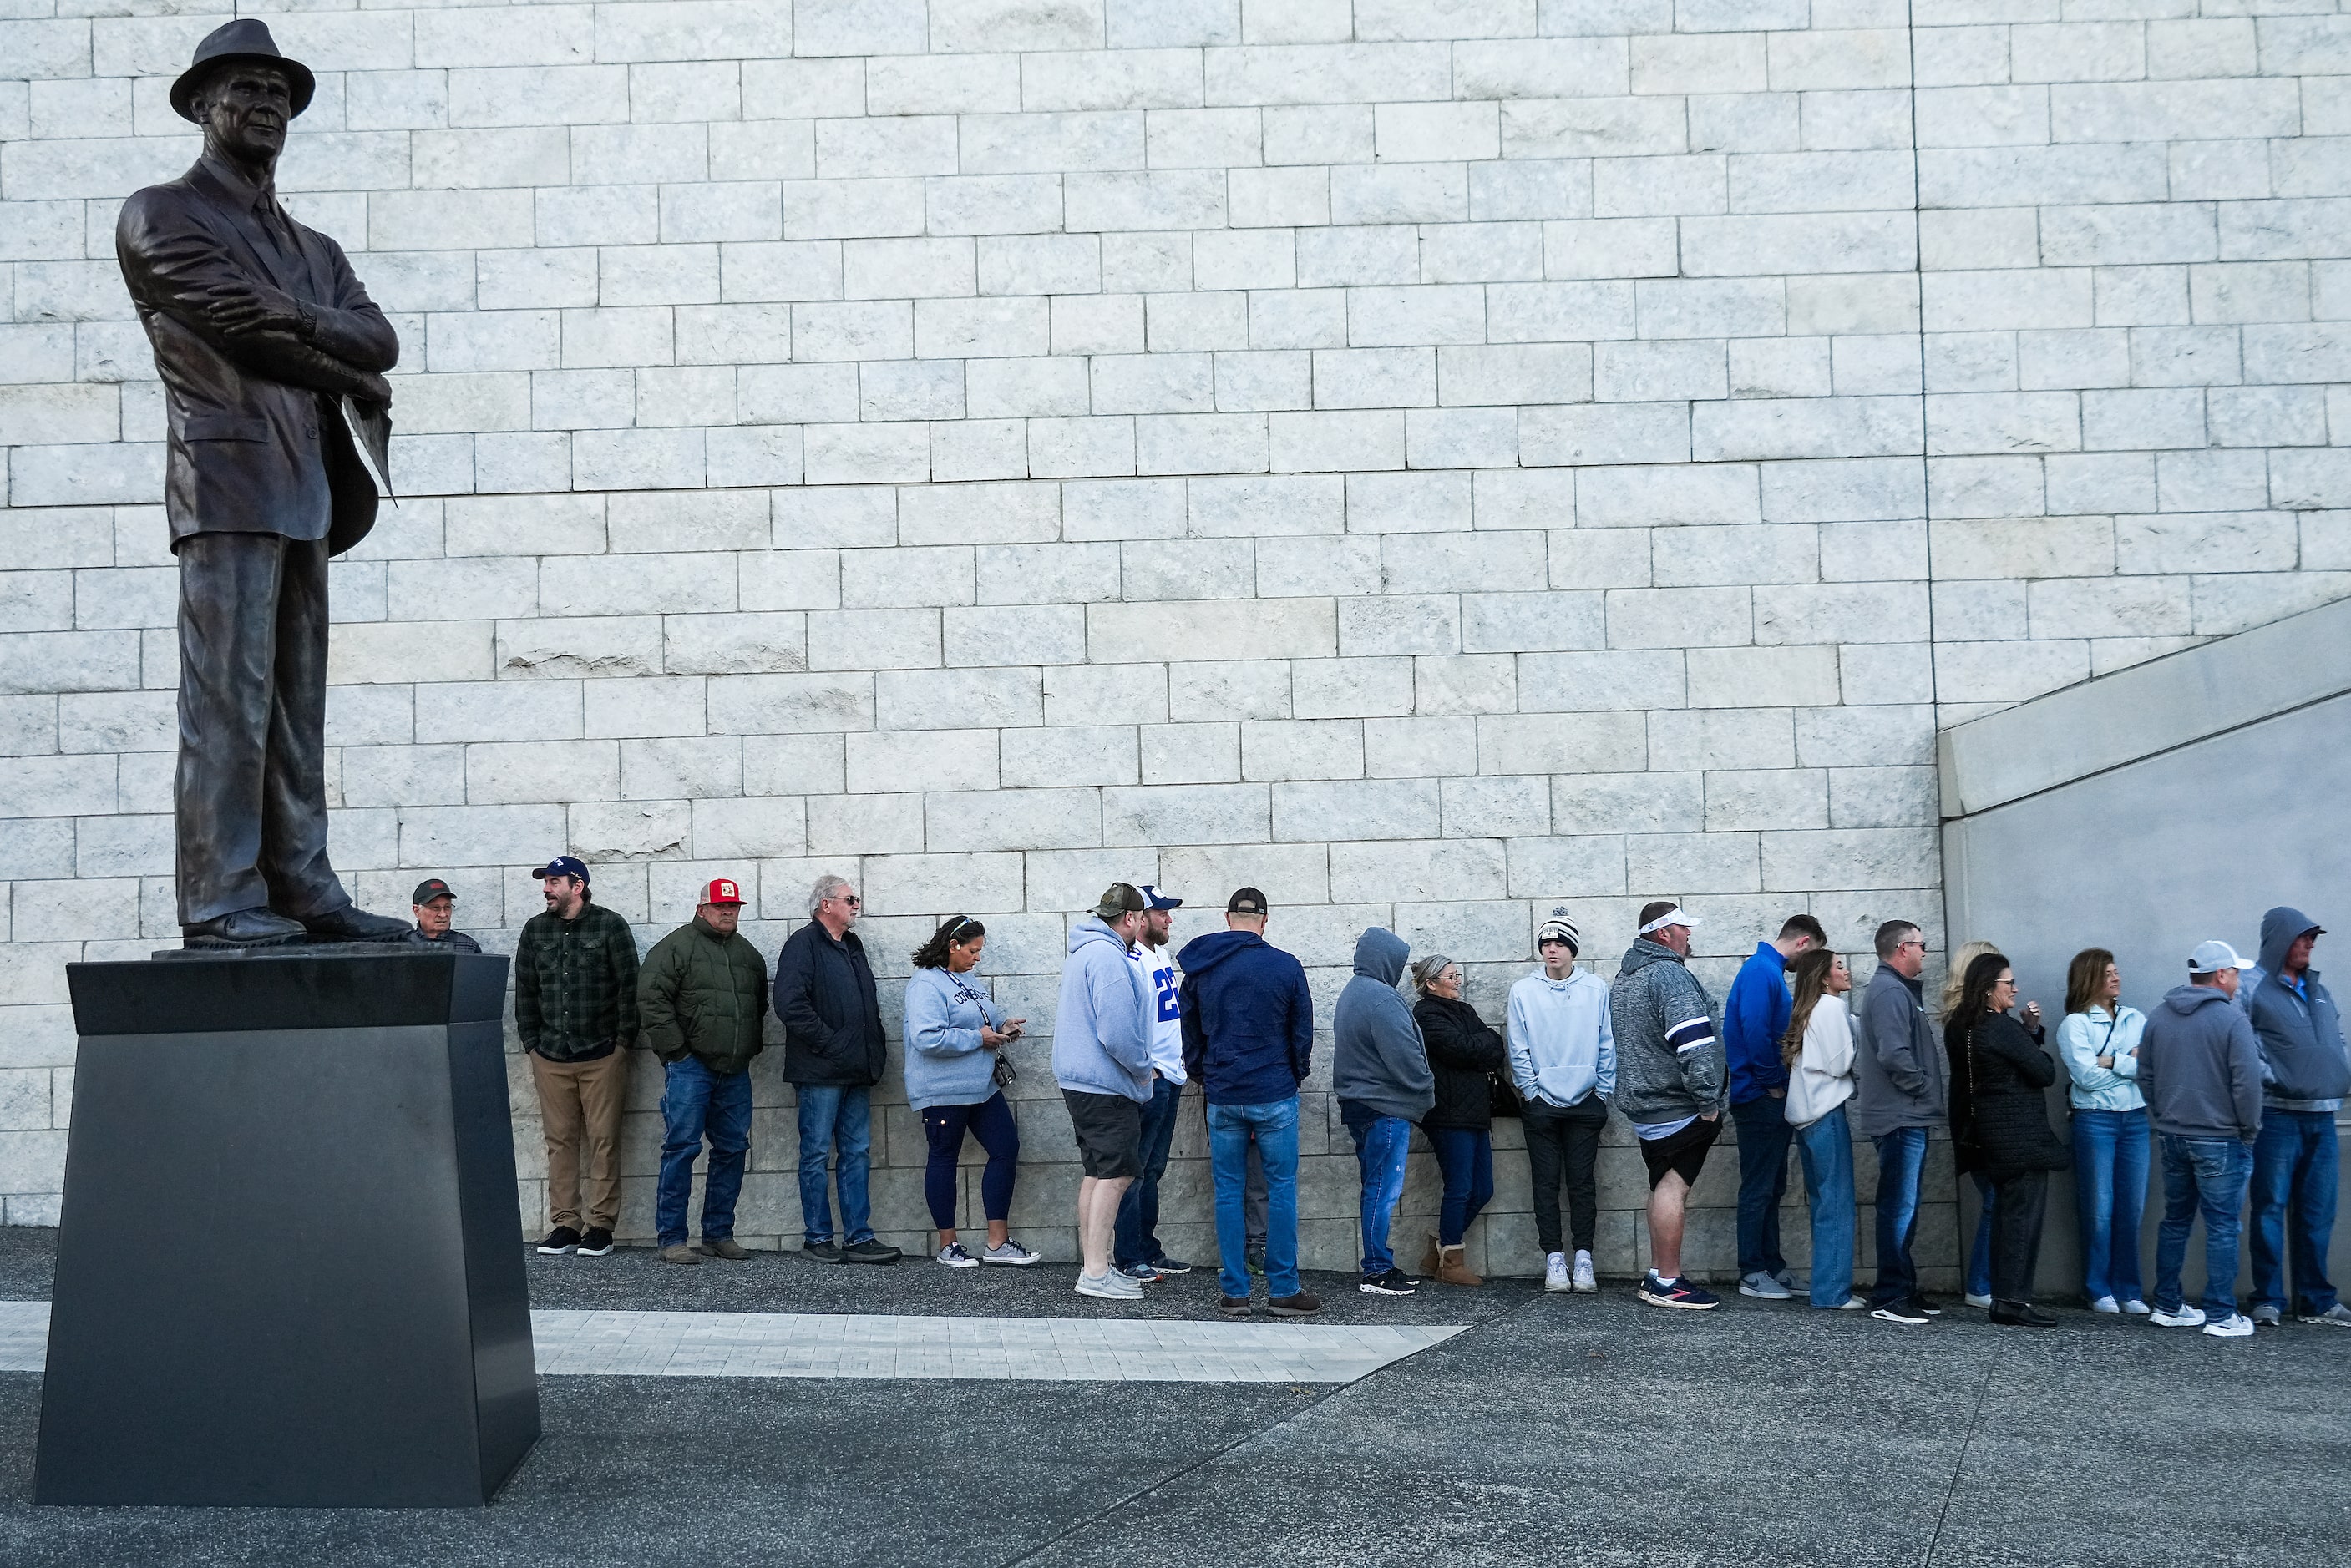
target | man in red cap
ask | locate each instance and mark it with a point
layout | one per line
(702, 996)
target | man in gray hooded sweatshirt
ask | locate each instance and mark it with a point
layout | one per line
(1672, 1082)
(1102, 1060)
(2305, 1073)
(2200, 1071)
(1380, 1071)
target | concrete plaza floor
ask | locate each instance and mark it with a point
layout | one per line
(1555, 1428)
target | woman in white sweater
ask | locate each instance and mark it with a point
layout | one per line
(1818, 1051)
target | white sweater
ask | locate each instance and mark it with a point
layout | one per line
(1823, 1077)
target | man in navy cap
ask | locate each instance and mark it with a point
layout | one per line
(271, 353)
(1134, 1244)
(575, 975)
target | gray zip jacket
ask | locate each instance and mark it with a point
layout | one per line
(1669, 1059)
(1898, 1063)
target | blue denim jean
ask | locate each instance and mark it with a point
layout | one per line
(2207, 1175)
(1901, 1170)
(1763, 1138)
(1381, 1145)
(1272, 1129)
(1136, 1237)
(2295, 1163)
(2110, 1157)
(1980, 1249)
(1465, 1158)
(697, 1105)
(835, 1119)
(1827, 1150)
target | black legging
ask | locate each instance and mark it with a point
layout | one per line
(2019, 1205)
(990, 1122)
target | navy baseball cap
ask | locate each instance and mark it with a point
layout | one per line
(1153, 899)
(563, 866)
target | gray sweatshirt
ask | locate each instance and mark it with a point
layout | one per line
(1378, 1059)
(1897, 1062)
(1669, 1060)
(2200, 1066)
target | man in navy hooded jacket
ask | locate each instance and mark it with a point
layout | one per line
(2305, 1074)
(1248, 1039)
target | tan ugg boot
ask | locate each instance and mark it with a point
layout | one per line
(1453, 1267)
(1432, 1260)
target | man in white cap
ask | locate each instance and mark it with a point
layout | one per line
(1672, 1082)
(1564, 1060)
(2200, 1066)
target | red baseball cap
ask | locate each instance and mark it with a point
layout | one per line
(722, 890)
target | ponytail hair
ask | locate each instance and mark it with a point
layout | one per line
(1811, 969)
(955, 929)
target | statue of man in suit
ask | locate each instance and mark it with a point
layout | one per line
(271, 355)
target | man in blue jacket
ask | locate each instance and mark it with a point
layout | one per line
(2305, 1073)
(1755, 1016)
(1249, 1038)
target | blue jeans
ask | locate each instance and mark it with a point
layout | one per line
(1901, 1169)
(1270, 1128)
(1826, 1149)
(1381, 1145)
(1135, 1238)
(1465, 1158)
(1980, 1251)
(2110, 1156)
(1763, 1138)
(698, 1103)
(2294, 1161)
(833, 1116)
(2207, 1174)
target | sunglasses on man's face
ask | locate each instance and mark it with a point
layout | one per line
(849, 898)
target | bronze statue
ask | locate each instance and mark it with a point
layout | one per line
(272, 356)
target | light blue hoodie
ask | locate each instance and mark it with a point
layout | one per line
(1102, 1032)
(945, 1064)
(1563, 1041)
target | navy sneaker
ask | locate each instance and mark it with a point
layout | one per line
(1167, 1265)
(1394, 1282)
(1141, 1273)
(1678, 1293)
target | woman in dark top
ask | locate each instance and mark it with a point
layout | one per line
(2000, 1126)
(1462, 1049)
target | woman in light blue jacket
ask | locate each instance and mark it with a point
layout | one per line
(955, 1038)
(2099, 1040)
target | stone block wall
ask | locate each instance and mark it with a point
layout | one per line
(1433, 460)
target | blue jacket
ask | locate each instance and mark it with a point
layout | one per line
(1101, 1031)
(2305, 1063)
(1247, 1018)
(1755, 1017)
(946, 1064)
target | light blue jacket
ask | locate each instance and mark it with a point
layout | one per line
(1101, 1031)
(1563, 1041)
(946, 1064)
(2083, 1038)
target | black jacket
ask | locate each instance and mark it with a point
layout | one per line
(832, 1013)
(1999, 1118)
(1462, 1049)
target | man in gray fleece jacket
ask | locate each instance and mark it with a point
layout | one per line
(2200, 1070)
(1380, 1071)
(1672, 1082)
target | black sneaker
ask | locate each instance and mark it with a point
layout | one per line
(1253, 1259)
(1921, 1303)
(870, 1250)
(596, 1243)
(561, 1239)
(824, 1252)
(1898, 1312)
(1394, 1282)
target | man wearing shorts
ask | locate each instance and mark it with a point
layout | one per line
(1101, 1059)
(1672, 1082)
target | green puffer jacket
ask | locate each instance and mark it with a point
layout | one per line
(702, 993)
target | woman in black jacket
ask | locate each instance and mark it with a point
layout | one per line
(1462, 1049)
(2000, 1126)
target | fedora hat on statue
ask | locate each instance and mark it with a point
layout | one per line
(247, 38)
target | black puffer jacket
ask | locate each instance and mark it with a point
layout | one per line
(2000, 1114)
(1462, 1049)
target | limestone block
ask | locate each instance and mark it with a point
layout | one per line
(1547, 869)
(886, 761)
(785, 765)
(1582, 682)
(864, 824)
(683, 768)
(1494, 808)
(791, 704)
(1722, 738)
(1467, 683)
(1605, 434)
(1189, 754)
(1601, 804)
(921, 700)
(1564, 742)
(1013, 819)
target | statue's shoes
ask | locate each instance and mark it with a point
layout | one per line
(352, 924)
(242, 928)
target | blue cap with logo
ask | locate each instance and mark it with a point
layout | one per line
(563, 866)
(1155, 898)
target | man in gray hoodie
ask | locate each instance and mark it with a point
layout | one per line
(2200, 1071)
(1380, 1071)
(1101, 1059)
(1898, 1101)
(1672, 1082)
(2305, 1073)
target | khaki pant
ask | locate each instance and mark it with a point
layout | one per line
(577, 1101)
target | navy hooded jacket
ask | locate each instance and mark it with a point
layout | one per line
(1247, 1018)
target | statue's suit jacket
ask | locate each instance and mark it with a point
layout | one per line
(257, 441)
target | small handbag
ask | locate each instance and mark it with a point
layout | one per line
(1502, 1096)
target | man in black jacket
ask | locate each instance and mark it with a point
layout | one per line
(832, 1055)
(263, 339)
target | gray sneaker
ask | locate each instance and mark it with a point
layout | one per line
(1763, 1287)
(2336, 1316)
(2267, 1316)
(1110, 1286)
(1010, 1253)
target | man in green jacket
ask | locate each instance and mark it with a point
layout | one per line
(575, 977)
(703, 997)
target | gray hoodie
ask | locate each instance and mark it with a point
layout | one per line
(1897, 1062)
(1669, 1060)
(1101, 1031)
(1378, 1059)
(2200, 1067)
(2305, 1064)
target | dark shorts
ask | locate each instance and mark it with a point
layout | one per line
(1682, 1153)
(1110, 1133)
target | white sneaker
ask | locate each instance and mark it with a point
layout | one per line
(1010, 1253)
(2236, 1326)
(1555, 1272)
(2106, 1304)
(1853, 1304)
(954, 1257)
(1974, 1300)
(1113, 1286)
(1586, 1282)
(2182, 1316)
(2136, 1307)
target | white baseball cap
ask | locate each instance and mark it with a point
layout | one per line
(2212, 957)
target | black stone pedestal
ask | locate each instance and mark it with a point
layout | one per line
(286, 1269)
